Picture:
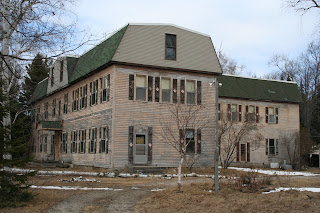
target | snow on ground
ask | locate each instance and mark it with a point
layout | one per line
(309, 189)
(275, 172)
(72, 188)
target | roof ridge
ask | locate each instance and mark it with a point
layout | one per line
(262, 79)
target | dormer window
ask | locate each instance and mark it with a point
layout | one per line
(171, 42)
(61, 71)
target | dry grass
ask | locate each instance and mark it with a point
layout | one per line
(44, 200)
(196, 198)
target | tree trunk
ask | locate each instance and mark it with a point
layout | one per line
(179, 174)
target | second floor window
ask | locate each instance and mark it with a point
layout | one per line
(46, 105)
(272, 115)
(234, 112)
(141, 88)
(171, 47)
(93, 92)
(75, 98)
(191, 92)
(105, 88)
(83, 97)
(65, 104)
(166, 89)
(53, 107)
(251, 113)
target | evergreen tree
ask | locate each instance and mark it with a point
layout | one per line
(36, 72)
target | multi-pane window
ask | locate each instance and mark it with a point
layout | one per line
(64, 142)
(45, 145)
(93, 92)
(171, 47)
(104, 140)
(46, 106)
(82, 141)
(52, 144)
(243, 152)
(40, 144)
(75, 99)
(54, 107)
(251, 113)
(166, 89)
(61, 71)
(52, 76)
(93, 140)
(65, 104)
(83, 97)
(272, 147)
(141, 88)
(271, 115)
(191, 92)
(234, 112)
(74, 142)
(190, 141)
(38, 114)
(105, 88)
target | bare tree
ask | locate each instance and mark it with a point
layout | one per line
(291, 144)
(303, 6)
(179, 129)
(232, 133)
(229, 65)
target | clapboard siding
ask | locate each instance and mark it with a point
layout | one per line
(145, 44)
(288, 124)
(147, 114)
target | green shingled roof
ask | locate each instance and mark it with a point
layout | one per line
(40, 90)
(258, 89)
(98, 56)
(51, 124)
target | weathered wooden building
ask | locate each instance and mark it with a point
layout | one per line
(104, 107)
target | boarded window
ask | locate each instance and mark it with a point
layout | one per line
(141, 88)
(166, 89)
(171, 42)
(191, 92)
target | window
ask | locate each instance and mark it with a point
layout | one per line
(45, 145)
(243, 152)
(272, 115)
(272, 147)
(166, 89)
(234, 112)
(105, 88)
(38, 114)
(46, 106)
(104, 131)
(82, 141)
(53, 107)
(59, 108)
(64, 142)
(171, 42)
(83, 97)
(190, 141)
(93, 92)
(141, 88)
(52, 76)
(191, 92)
(52, 144)
(74, 142)
(65, 104)
(251, 113)
(40, 144)
(61, 71)
(75, 99)
(93, 140)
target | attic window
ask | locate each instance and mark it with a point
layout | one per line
(61, 71)
(171, 42)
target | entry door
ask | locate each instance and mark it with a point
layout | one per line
(140, 149)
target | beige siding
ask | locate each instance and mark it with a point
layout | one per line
(56, 70)
(143, 114)
(288, 124)
(145, 44)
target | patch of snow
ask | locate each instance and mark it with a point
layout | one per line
(304, 189)
(135, 188)
(157, 190)
(79, 179)
(72, 188)
(274, 172)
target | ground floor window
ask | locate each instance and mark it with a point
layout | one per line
(74, 142)
(93, 140)
(190, 141)
(103, 146)
(64, 142)
(272, 147)
(82, 141)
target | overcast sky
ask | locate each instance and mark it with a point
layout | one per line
(250, 31)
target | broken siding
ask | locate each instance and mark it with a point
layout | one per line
(145, 44)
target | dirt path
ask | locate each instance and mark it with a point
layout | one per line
(102, 201)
